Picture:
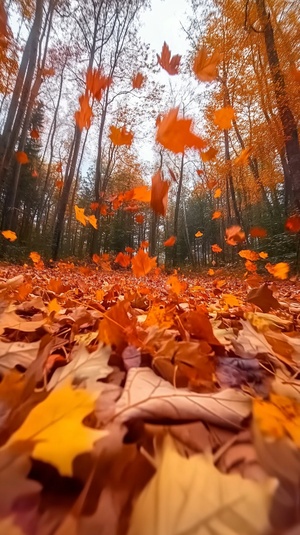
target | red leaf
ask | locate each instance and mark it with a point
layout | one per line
(159, 194)
(170, 64)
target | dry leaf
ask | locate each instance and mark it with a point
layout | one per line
(142, 263)
(205, 67)
(170, 241)
(9, 235)
(170, 64)
(175, 134)
(159, 194)
(223, 118)
(120, 136)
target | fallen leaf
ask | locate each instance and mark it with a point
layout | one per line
(278, 417)
(170, 64)
(263, 298)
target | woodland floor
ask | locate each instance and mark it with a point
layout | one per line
(118, 394)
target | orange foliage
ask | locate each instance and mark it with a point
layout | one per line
(198, 234)
(223, 118)
(170, 241)
(216, 248)
(123, 260)
(159, 194)
(209, 155)
(139, 218)
(34, 134)
(216, 215)
(170, 64)
(279, 271)
(234, 235)
(175, 134)
(120, 136)
(142, 263)
(22, 157)
(96, 82)
(258, 232)
(249, 255)
(83, 116)
(217, 193)
(138, 80)
(205, 67)
(9, 235)
(293, 223)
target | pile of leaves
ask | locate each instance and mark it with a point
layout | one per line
(162, 405)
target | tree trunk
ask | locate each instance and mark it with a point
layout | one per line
(176, 213)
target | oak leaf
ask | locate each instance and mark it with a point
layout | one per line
(175, 134)
(22, 157)
(9, 235)
(59, 415)
(170, 64)
(159, 194)
(138, 80)
(142, 263)
(170, 241)
(223, 118)
(120, 136)
(230, 503)
(205, 67)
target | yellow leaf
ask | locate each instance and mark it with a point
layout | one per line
(278, 417)
(54, 306)
(231, 300)
(92, 220)
(217, 193)
(79, 214)
(199, 234)
(56, 426)
(9, 235)
(279, 271)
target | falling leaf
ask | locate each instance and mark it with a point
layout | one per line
(123, 259)
(210, 272)
(258, 232)
(217, 215)
(94, 206)
(170, 64)
(216, 248)
(217, 193)
(219, 503)
(263, 255)
(9, 235)
(205, 67)
(120, 136)
(54, 306)
(243, 158)
(129, 250)
(144, 244)
(223, 118)
(138, 80)
(209, 155)
(230, 300)
(249, 255)
(250, 266)
(92, 220)
(199, 172)
(293, 223)
(139, 218)
(35, 257)
(175, 134)
(59, 415)
(34, 134)
(234, 235)
(59, 184)
(146, 394)
(198, 234)
(278, 417)
(279, 271)
(80, 215)
(142, 263)
(177, 286)
(96, 82)
(22, 157)
(159, 194)
(170, 241)
(83, 117)
(141, 193)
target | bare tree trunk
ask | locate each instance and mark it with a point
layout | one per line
(176, 213)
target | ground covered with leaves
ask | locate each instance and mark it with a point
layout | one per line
(159, 405)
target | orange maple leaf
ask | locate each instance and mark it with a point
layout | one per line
(123, 259)
(35, 257)
(94, 206)
(170, 64)
(159, 194)
(138, 80)
(142, 263)
(141, 193)
(205, 67)
(176, 285)
(96, 82)
(249, 255)
(215, 248)
(234, 235)
(83, 117)
(22, 157)
(170, 241)
(217, 193)
(217, 215)
(129, 250)
(198, 234)
(223, 118)
(96, 258)
(293, 223)
(259, 232)
(80, 215)
(9, 235)
(120, 136)
(175, 134)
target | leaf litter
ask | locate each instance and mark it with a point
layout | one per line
(147, 403)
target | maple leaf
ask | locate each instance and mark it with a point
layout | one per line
(116, 328)
(9, 235)
(223, 118)
(176, 285)
(249, 255)
(96, 258)
(141, 193)
(243, 158)
(83, 117)
(175, 134)
(22, 157)
(139, 218)
(205, 67)
(170, 64)
(198, 234)
(92, 220)
(129, 250)
(258, 232)
(279, 271)
(263, 255)
(138, 80)
(263, 298)
(216, 248)
(96, 82)
(216, 215)
(123, 259)
(170, 241)
(59, 415)
(144, 244)
(54, 306)
(120, 136)
(293, 223)
(159, 194)
(167, 507)
(278, 417)
(80, 215)
(234, 235)
(209, 155)
(34, 134)
(94, 206)
(142, 263)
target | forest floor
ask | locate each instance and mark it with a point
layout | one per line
(126, 403)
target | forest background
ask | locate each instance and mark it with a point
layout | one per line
(80, 99)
